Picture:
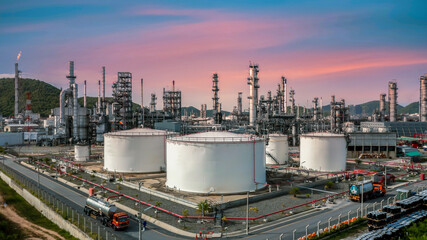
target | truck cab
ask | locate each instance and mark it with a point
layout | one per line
(120, 220)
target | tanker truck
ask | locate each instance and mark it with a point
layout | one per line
(107, 213)
(370, 190)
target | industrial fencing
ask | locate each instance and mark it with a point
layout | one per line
(85, 223)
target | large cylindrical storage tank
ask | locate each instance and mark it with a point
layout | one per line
(140, 150)
(323, 152)
(277, 149)
(215, 162)
(81, 153)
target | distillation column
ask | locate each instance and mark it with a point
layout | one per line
(392, 95)
(423, 98)
(253, 93)
(382, 107)
(285, 94)
(333, 116)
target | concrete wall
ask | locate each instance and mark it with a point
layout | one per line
(45, 210)
(11, 138)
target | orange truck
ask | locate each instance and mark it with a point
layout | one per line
(370, 190)
(106, 212)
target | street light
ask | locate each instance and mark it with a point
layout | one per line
(306, 230)
(247, 213)
(348, 219)
(361, 207)
(140, 213)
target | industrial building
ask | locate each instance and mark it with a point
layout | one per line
(377, 144)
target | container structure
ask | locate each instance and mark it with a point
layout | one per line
(216, 162)
(81, 152)
(139, 150)
(323, 152)
(277, 149)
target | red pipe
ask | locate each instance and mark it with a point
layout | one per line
(129, 197)
(195, 217)
(119, 195)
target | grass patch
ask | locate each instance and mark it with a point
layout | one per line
(9, 230)
(24, 209)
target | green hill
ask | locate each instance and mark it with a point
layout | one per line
(43, 96)
(411, 108)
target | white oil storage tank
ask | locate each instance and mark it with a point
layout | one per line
(215, 162)
(323, 152)
(81, 152)
(139, 150)
(277, 149)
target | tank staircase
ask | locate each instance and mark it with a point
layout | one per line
(271, 156)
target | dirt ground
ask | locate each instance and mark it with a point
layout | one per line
(32, 231)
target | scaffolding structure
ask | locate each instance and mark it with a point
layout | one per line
(122, 105)
(172, 103)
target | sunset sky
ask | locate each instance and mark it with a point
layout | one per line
(347, 48)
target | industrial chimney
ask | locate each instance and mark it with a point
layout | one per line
(16, 90)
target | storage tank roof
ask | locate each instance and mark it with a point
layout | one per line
(138, 132)
(322, 134)
(216, 137)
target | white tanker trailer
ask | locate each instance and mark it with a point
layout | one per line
(107, 213)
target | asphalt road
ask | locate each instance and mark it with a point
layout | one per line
(76, 199)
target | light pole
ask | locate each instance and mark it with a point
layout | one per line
(306, 230)
(361, 207)
(348, 219)
(38, 180)
(318, 227)
(329, 224)
(247, 213)
(140, 213)
(293, 234)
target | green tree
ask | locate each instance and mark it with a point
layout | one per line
(295, 191)
(204, 207)
(329, 185)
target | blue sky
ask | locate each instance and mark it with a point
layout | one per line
(347, 48)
